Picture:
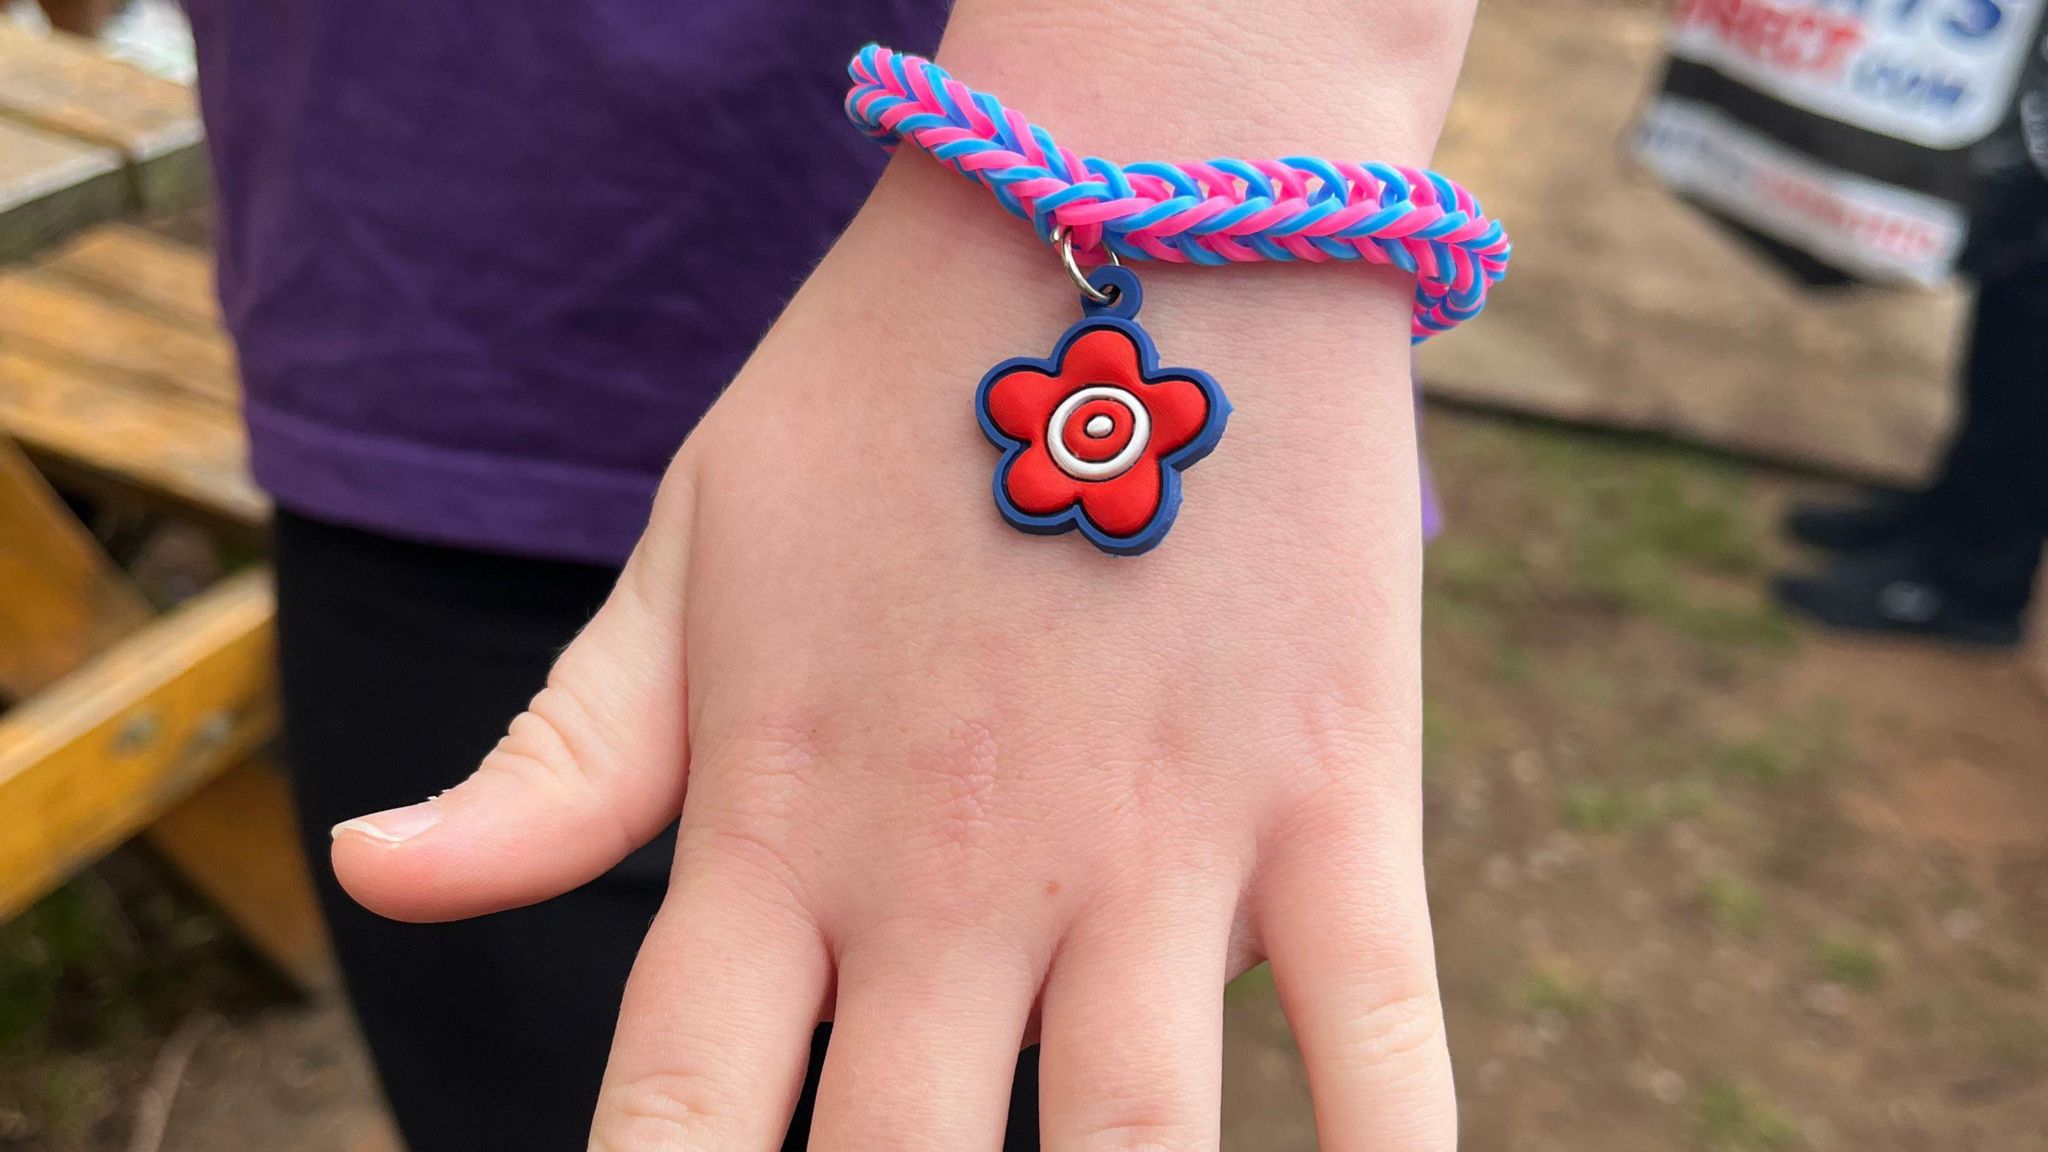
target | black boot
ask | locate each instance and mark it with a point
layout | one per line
(1899, 589)
(1881, 519)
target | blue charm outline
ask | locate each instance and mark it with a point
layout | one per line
(1120, 315)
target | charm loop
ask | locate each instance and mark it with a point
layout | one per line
(1063, 238)
(1095, 437)
(1119, 286)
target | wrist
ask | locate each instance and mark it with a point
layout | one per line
(1194, 79)
(1191, 79)
(1316, 360)
(1182, 93)
(966, 285)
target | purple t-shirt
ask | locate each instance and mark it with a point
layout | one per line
(486, 264)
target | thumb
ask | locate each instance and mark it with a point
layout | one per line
(594, 768)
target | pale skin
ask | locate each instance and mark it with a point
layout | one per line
(957, 788)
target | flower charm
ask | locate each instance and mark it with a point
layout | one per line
(1095, 437)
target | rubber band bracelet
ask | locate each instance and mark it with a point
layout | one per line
(1095, 437)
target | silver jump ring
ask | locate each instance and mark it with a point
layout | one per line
(1063, 238)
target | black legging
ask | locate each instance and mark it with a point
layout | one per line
(402, 664)
(1989, 503)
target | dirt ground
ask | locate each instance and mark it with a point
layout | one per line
(1702, 880)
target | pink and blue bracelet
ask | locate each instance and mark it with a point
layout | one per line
(1095, 437)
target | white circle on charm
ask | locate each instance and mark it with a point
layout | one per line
(1097, 427)
(1117, 465)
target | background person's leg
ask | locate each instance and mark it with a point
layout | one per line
(1989, 506)
(401, 663)
(1958, 561)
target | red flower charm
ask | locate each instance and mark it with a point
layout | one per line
(1095, 438)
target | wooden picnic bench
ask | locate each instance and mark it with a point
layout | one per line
(118, 386)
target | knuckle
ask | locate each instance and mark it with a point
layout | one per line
(541, 743)
(543, 749)
(1142, 1095)
(661, 1112)
(1399, 1045)
(1338, 748)
(735, 847)
(1348, 727)
(1142, 1135)
(1365, 814)
(1405, 1031)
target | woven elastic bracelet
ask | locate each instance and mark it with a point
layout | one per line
(1214, 212)
(1095, 437)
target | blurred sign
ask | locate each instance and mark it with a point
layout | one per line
(1836, 216)
(1936, 72)
(1879, 137)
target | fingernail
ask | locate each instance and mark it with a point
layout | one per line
(394, 826)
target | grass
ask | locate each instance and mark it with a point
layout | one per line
(1599, 808)
(1849, 959)
(1794, 744)
(1477, 572)
(1734, 904)
(1514, 664)
(88, 975)
(1691, 510)
(1647, 529)
(1256, 984)
(61, 942)
(1607, 809)
(116, 952)
(1687, 799)
(1736, 1119)
(1436, 731)
(1759, 760)
(1564, 992)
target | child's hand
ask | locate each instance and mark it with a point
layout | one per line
(953, 785)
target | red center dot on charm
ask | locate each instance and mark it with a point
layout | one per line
(1098, 430)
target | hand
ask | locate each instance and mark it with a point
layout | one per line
(953, 786)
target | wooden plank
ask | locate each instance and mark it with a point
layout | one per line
(103, 752)
(62, 601)
(143, 271)
(44, 316)
(158, 445)
(237, 841)
(61, 598)
(62, 84)
(53, 185)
